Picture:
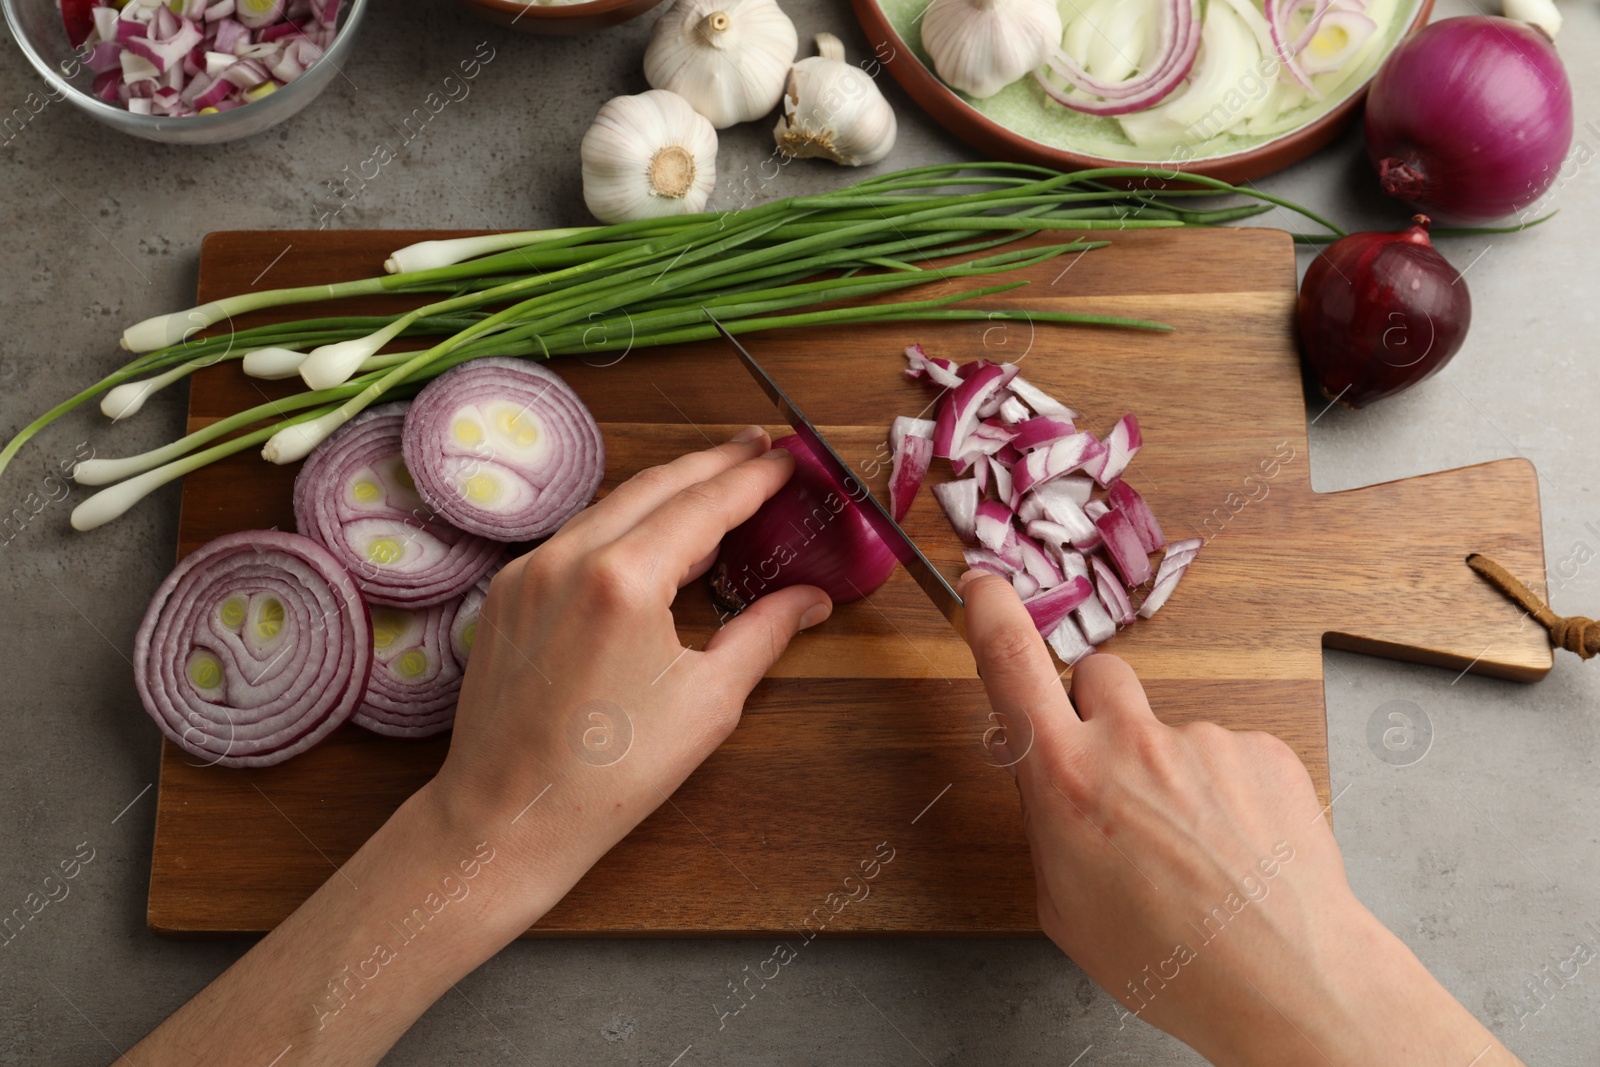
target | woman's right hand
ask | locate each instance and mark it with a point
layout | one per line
(1191, 872)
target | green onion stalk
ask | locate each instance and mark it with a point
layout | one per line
(802, 262)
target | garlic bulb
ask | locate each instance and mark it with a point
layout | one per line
(1540, 13)
(728, 58)
(982, 46)
(832, 110)
(647, 156)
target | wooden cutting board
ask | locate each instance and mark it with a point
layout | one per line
(867, 737)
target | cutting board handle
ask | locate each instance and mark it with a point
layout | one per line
(1400, 586)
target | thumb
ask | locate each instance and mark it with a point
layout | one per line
(747, 646)
(1024, 687)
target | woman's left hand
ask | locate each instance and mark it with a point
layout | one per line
(579, 692)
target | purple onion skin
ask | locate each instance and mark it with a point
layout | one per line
(810, 532)
(1379, 312)
(1470, 119)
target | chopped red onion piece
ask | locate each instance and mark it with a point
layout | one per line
(1067, 642)
(1111, 591)
(355, 496)
(1000, 474)
(1038, 563)
(981, 559)
(255, 648)
(1025, 584)
(1041, 402)
(1173, 565)
(258, 13)
(959, 499)
(1122, 444)
(1060, 506)
(1096, 508)
(1013, 410)
(1049, 608)
(1063, 457)
(1072, 564)
(1124, 498)
(940, 372)
(1122, 542)
(1041, 431)
(963, 405)
(909, 468)
(1097, 626)
(503, 448)
(905, 424)
(992, 525)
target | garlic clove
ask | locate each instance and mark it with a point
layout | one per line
(728, 58)
(832, 110)
(981, 46)
(648, 156)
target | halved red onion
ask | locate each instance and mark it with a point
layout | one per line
(1173, 565)
(503, 448)
(812, 532)
(415, 675)
(256, 647)
(356, 497)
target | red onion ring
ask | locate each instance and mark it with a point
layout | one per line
(504, 449)
(355, 496)
(415, 674)
(255, 648)
(1180, 46)
(464, 628)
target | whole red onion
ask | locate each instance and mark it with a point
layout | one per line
(1470, 118)
(1379, 312)
(811, 532)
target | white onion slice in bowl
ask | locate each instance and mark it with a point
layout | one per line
(503, 448)
(255, 648)
(356, 496)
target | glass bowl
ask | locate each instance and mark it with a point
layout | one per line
(42, 36)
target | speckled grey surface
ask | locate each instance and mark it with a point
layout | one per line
(1482, 856)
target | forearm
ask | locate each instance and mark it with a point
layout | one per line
(1362, 997)
(428, 898)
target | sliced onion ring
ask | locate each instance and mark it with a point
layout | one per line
(415, 674)
(504, 449)
(255, 648)
(356, 497)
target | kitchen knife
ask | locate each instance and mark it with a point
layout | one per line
(944, 597)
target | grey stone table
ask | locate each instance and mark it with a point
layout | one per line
(1482, 855)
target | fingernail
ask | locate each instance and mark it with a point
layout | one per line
(775, 453)
(815, 614)
(967, 577)
(748, 434)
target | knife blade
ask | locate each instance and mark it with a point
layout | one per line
(904, 549)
